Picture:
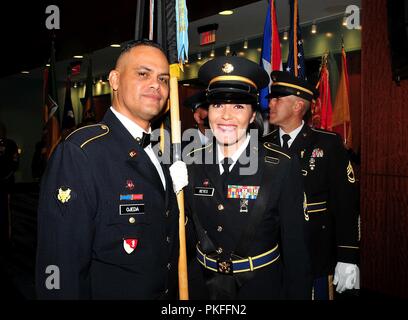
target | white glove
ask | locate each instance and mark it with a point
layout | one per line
(179, 175)
(346, 276)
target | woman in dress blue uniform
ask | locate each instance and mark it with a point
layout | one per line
(245, 200)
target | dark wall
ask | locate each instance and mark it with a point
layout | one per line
(384, 170)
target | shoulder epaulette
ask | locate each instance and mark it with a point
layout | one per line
(323, 131)
(198, 149)
(272, 147)
(86, 134)
(268, 134)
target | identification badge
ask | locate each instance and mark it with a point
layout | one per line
(203, 191)
(127, 209)
(242, 192)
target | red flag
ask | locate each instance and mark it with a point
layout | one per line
(341, 113)
(322, 110)
(276, 57)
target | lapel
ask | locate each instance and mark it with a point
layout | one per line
(140, 161)
(211, 170)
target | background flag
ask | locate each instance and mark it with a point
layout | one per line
(182, 34)
(334, 76)
(322, 109)
(51, 109)
(341, 113)
(68, 118)
(271, 58)
(88, 115)
(296, 59)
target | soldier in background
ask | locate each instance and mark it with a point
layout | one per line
(328, 179)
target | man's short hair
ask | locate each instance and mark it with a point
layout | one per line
(141, 42)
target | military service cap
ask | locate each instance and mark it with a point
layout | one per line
(233, 80)
(286, 84)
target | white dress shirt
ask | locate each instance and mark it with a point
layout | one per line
(293, 134)
(137, 132)
(235, 155)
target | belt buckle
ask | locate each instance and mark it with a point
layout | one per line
(225, 266)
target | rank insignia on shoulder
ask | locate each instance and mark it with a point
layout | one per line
(130, 245)
(64, 194)
(350, 173)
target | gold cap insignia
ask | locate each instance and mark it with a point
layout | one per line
(227, 68)
(64, 195)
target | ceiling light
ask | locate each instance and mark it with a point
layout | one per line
(226, 12)
(344, 21)
(227, 50)
(212, 53)
(48, 65)
(313, 30)
(329, 34)
(199, 56)
(115, 45)
(241, 53)
(246, 44)
(285, 35)
(259, 49)
(25, 72)
(78, 57)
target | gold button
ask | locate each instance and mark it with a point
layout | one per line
(168, 239)
(167, 213)
(220, 207)
(132, 220)
(169, 266)
(219, 228)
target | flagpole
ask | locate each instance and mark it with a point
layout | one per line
(176, 142)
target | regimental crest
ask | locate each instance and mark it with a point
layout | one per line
(227, 68)
(64, 195)
(129, 185)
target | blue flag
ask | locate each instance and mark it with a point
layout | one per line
(296, 59)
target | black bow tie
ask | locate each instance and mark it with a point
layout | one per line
(144, 141)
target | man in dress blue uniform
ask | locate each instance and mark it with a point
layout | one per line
(245, 200)
(108, 217)
(328, 178)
